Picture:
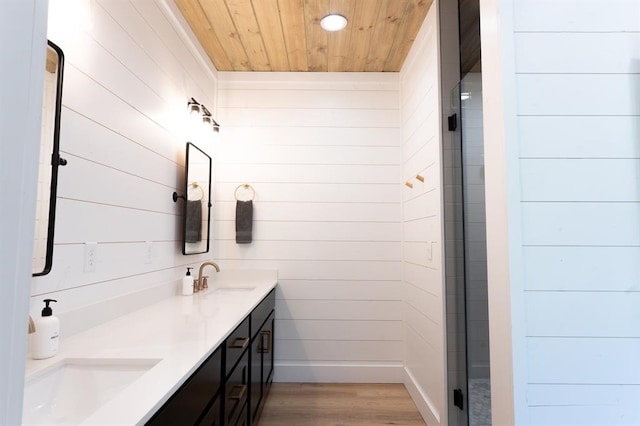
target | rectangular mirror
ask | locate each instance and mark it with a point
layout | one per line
(197, 204)
(49, 162)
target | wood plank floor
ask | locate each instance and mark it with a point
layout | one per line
(332, 404)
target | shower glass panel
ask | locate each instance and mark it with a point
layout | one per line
(475, 251)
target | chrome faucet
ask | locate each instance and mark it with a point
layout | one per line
(32, 325)
(201, 282)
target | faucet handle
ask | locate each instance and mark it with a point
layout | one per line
(204, 282)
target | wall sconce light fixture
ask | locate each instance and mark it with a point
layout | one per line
(199, 113)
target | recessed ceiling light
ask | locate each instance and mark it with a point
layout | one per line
(333, 22)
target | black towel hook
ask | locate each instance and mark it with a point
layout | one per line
(176, 196)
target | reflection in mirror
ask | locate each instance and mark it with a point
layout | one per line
(48, 162)
(197, 206)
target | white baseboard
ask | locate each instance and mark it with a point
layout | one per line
(338, 373)
(427, 409)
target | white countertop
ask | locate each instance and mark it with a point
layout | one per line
(180, 331)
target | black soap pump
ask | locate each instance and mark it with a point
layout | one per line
(44, 343)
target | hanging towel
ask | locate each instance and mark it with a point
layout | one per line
(244, 221)
(193, 222)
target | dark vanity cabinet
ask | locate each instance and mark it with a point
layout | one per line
(230, 387)
(195, 397)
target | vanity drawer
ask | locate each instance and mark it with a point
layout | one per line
(237, 391)
(237, 343)
(262, 311)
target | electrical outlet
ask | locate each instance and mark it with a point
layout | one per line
(90, 256)
(148, 250)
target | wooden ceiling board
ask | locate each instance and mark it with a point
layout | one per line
(244, 19)
(364, 21)
(285, 35)
(338, 42)
(411, 22)
(268, 18)
(389, 18)
(216, 12)
(292, 17)
(199, 23)
(316, 36)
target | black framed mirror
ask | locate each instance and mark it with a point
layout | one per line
(197, 201)
(49, 162)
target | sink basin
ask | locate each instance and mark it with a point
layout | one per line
(70, 391)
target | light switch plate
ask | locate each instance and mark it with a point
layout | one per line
(148, 252)
(90, 256)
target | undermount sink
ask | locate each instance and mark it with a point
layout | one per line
(70, 391)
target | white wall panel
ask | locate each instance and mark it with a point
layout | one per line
(571, 268)
(323, 155)
(126, 83)
(422, 225)
(576, 71)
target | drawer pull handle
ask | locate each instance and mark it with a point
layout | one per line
(237, 392)
(239, 343)
(265, 349)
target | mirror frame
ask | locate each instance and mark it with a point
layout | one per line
(190, 146)
(56, 161)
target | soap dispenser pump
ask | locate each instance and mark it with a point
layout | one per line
(187, 283)
(44, 343)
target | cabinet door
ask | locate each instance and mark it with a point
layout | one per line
(213, 417)
(267, 340)
(261, 366)
(187, 405)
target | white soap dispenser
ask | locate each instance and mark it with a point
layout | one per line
(44, 342)
(187, 283)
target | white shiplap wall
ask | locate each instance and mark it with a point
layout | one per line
(578, 92)
(322, 152)
(422, 225)
(126, 84)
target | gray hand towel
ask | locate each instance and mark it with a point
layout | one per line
(193, 222)
(244, 222)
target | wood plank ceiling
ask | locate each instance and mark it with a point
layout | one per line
(285, 35)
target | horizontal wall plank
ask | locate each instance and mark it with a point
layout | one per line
(327, 270)
(309, 173)
(576, 15)
(576, 53)
(313, 289)
(582, 268)
(90, 140)
(359, 310)
(566, 94)
(583, 361)
(583, 314)
(565, 224)
(255, 153)
(313, 250)
(321, 135)
(332, 350)
(85, 180)
(339, 330)
(85, 96)
(578, 137)
(337, 99)
(309, 192)
(360, 81)
(579, 179)
(309, 117)
(425, 229)
(312, 231)
(79, 222)
(385, 215)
